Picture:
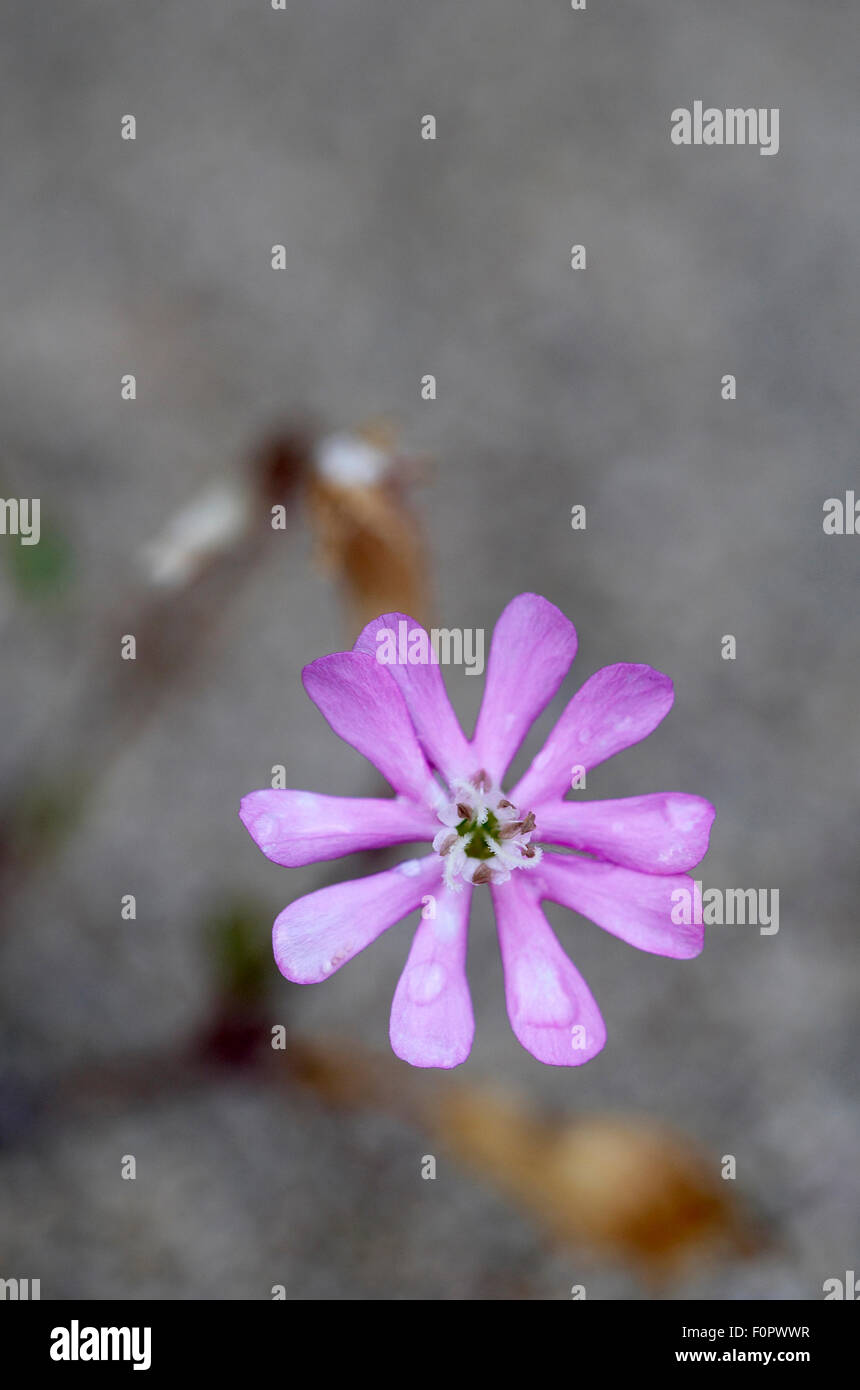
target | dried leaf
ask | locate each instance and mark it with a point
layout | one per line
(627, 1185)
(365, 532)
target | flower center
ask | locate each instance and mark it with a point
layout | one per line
(483, 836)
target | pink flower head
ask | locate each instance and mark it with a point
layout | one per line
(625, 876)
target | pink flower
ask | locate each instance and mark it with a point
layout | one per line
(399, 717)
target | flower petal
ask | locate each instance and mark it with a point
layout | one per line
(662, 833)
(423, 689)
(432, 1024)
(532, 648)
(362, 703)
(294, 827)
(320, 932)
(638, 908)
(550, 1006)
(617, 707)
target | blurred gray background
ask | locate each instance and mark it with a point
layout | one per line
(600, 387)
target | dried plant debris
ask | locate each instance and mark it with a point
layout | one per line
(624, 1186)
(366, 534)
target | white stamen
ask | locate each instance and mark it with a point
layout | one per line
(482, 799)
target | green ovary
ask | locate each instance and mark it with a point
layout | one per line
(477, 848)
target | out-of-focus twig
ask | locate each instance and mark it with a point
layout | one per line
(625, 1186)
(194, 569)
